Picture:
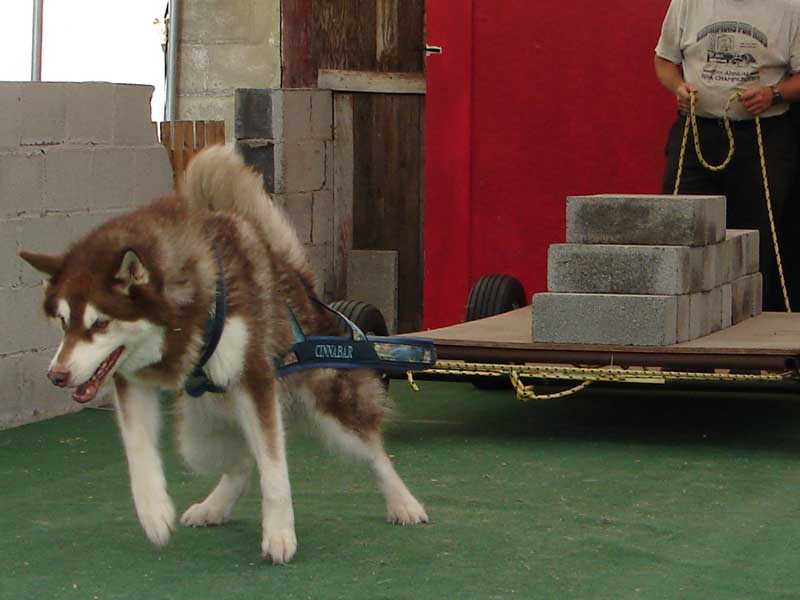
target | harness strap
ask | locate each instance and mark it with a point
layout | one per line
(198, 382)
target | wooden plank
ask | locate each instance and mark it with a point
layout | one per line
(178, 164)
(343, 34)
(767, 333)
(166, 137)
(371, 82)
(387, 34)
(387, 190)
(188, 143)
(298, 67)
(343, 189)
(200, 134)
(217, 133)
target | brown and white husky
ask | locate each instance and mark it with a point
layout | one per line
(134, 298)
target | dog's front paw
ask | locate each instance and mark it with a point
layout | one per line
(279, 546)
(157, 516)
(204, 514)
(406, 511)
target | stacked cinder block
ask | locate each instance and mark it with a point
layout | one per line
(287, 135)
(647, 270)
(71, 156)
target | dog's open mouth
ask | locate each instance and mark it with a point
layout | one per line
(87, 391)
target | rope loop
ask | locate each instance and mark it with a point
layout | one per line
(691, 120)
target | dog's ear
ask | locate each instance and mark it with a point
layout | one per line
(131, 272)
(44, 263)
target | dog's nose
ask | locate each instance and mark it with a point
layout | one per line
(59, 377)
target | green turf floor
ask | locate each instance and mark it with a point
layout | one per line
(613, 495)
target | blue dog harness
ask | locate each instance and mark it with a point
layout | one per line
(358, 351)
(198, 382)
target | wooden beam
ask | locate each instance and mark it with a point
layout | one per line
(371, 82)
(344, 155)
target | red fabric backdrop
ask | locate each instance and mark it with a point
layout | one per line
(528, 103)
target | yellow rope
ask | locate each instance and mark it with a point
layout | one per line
(607, 374)
(526, 392)
(692, 119)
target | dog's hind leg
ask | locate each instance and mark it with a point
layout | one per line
(347, 409)
(259, 413)
(139, 420)
(210, 441)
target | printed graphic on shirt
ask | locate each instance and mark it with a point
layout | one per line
(731, 53)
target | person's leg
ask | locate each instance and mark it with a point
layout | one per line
(695, 178)
(747, 205)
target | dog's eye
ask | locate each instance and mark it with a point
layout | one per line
(63, 322)
(100, 325)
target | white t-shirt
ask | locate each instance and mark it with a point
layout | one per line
(728, 45)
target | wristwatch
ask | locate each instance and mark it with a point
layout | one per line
(777, 97)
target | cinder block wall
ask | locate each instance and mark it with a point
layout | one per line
(71, 156)
(226, 44)
(287, 135)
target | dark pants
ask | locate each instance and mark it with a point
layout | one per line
(741, 182)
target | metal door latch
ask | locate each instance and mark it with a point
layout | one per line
(432, 49)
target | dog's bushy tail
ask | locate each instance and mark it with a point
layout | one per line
(218, 179)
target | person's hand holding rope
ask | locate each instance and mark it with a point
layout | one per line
(683, 93)
(756, 99)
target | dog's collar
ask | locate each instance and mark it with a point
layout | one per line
(198, 382)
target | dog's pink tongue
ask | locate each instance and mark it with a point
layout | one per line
(85, 393)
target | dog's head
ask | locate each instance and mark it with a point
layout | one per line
(106, 304)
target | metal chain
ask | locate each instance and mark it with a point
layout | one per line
(692, 118)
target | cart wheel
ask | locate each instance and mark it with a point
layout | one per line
(368, 319)
(367, 316)
(493, 295)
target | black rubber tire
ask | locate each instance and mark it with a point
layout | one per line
(367, 316)
(493, 295)
(368, 319)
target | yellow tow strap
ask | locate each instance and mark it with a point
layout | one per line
(692, 121)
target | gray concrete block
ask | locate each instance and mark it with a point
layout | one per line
(643, 219)
(746, 295)
(113, 177)
(152, 177)
(21, 183)
(10, 263)
(261, 157)
(322, 226)
(50, 234)
(683, 318)
(68, 177)
(299, 209)
(321, 259)
(296, 115)
(11, 110)
(744, 249)
(22, 321)
(300, 166)
(44, 113)
(89, 113)
(255, 111)
(727, 305)
(615, 319)
(133, 125)
(322, 114)
(631, 269)
(372, 276)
